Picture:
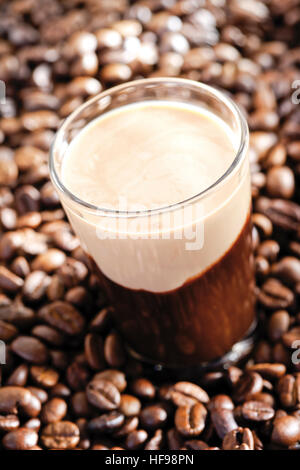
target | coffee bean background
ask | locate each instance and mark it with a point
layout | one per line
(68, 382)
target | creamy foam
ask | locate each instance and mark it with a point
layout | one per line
(150, 155)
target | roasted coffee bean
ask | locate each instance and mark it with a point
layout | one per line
(9, 423)
(30, 349)
(153, 416)
(248, 384)
(48, 334)
(129, 405)
(106, 423)
(268, 371)
(143, 388)
(20, 439)
(282, 213)
(116, 377)
(187, 393)
(60, 390)
(114, 351)
(103, 394)
(54, 410)
(39, 393)
(7, 331)
(77, 375)
(257, 411)
(60, 435)
(12, 397)
(35, 286)
(239, 439)
(102, 321)
(280, 182)
(94, 351)
(20, 266)
(9, 281)
(221, 412)
(190, 420)
(130, 425)
(19, 376)
(278, 324)
(136, 439)
(287, 269)
(155, 443)
(289, 390)
(274, 295)
(286, 431)
(62, 316)
(49, 261)
(44, 376)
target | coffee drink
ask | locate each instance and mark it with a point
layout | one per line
(171, 238)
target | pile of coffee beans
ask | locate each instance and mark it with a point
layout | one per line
(68, 382)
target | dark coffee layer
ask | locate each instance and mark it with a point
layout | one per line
(197, 322)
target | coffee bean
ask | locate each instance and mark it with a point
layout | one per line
(106, 423)
(19, 376)
(9, 281)
(257, 411)
(101, 321)
(282, 213)
(7, 331)
(289, 390)
(143, 388)
(239, 439)
(280, 182)
(278, 324)
(136, 439)
(291, 336)
(221, 410)
(94, 351)
(286, 431)
(190, 420)
(20, 439)
(129, 405)
(130, 425)
(103, 394)
(54, 410)
(62, 316)
(44, 376)
(114, 351)
(116, 377)
(48, 334)
(274, 295)
(268, 371)
(155, 443)
(49, 261)
(248, 384)
(153, 416)
(30, 349)
(60, 435)
(287, 269)
(187, 393)
(9, 423)
(35, 286)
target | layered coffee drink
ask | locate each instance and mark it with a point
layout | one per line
(165, 220)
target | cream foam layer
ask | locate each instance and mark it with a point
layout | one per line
(155, 154)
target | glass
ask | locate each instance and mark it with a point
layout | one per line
(194, 305)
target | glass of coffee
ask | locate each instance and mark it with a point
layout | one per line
(154, 178)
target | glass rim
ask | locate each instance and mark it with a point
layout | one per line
(220, 95)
